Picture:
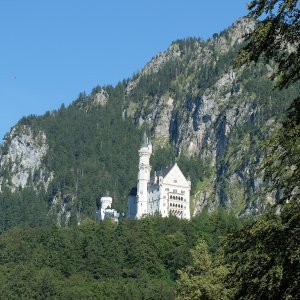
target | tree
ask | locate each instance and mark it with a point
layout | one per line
(202, 279)
(264, 257)
(277, 38)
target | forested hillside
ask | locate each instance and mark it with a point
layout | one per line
(209, 106)
(198, 109)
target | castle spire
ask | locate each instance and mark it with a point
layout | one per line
(145, 140)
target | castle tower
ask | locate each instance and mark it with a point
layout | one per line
(143, 177)
(106, 203)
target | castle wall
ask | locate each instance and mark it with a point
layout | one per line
(132, 207)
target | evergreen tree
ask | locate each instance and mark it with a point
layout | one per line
(201, 279)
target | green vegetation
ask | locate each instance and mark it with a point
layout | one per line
(204, 278)
(131, 260)
(276, 38)
(213, 256)
(264, 258)
(93, 148)
(262, 261)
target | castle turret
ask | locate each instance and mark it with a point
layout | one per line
(106, 203)
(143, 176)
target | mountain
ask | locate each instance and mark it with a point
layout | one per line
(199, 110)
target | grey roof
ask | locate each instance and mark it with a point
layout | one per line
(145, 140)
(164, 171)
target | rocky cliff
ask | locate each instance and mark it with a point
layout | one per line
(21, 159)
(210, 110)
(195, 105)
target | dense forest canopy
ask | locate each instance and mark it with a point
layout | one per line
(92, 148)
(136, 259)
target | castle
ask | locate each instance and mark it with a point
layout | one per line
(105, 211)
(166, 193)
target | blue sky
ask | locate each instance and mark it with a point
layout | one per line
(50, 51)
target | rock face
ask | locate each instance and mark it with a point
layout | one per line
(22, 156)
(191, 100)
(60, 208)
(100, 98)
(209, 110)
(154, 65)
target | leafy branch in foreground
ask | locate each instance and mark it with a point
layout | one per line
(277, 38)
(264, 257)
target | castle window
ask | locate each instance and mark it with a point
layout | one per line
(175, 181)
(174, 191)
(182, 192)
(171, 197)
(166, 189)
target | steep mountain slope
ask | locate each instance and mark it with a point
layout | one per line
(198, 109)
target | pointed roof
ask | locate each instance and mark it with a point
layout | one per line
(169, 173)
(164, 171)
(145, 140)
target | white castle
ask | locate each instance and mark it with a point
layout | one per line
(166, 193)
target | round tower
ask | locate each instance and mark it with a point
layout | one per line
(106, 202)
(143, 176)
